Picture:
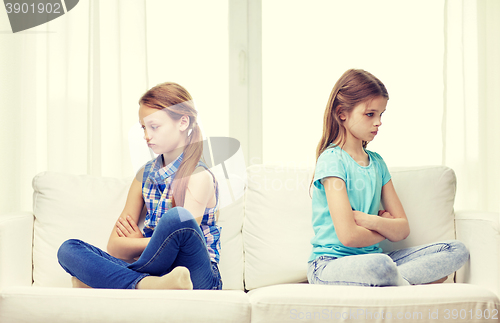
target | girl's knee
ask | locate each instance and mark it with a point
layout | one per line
(67, 249)
(461, 251)
(461, 248)
(184, 214)
(177, 214)
(383, 270)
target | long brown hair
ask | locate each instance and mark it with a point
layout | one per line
(176, 101)
(355, 86)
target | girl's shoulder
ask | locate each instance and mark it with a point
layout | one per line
(378, 162)
(148, 167)
(333, 155)
(201, 166)
(331, 152)
(331, 159)
(149, 164)
(374, 155)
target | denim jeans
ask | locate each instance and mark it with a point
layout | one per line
(176, 241)
(416, 265)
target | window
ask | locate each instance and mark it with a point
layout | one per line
(307, 46)
(191, 47)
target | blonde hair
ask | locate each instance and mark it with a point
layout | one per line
(355, 86)
(176, 101)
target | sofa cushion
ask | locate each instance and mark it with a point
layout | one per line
(277, 225)
(427, 194)
(277, 228)
(424, 303)
(66, 305)
(71, 207)
(86, 207)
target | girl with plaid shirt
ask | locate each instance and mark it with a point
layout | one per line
(179, 248)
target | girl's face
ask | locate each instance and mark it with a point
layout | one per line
(364, 120)
(162, 133)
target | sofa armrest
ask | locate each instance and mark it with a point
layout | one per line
(16, 244)
(479, 231)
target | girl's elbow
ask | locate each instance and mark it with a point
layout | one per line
(403, 234)
(349, 241)
(407, 233)
(345, 240)
(354, 244)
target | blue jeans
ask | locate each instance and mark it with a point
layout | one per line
(416, 265)
(176, 241)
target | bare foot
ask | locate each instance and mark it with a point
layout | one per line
(178, 278)
(77, 283)
(439, 281)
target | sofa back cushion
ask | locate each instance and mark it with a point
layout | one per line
(277, 227)
(71, 207)
(427, 195)
(86, 207)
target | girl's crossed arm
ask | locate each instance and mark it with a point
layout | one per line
(394, 226)
(126, 240)
(349, 233)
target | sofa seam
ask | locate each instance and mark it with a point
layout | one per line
(379, 305)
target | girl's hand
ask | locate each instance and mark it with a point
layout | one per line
(366, 220)
(385, 214)
(362, 219)
(127, 228)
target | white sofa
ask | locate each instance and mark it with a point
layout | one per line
(265, 246)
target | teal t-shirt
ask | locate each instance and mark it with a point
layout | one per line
(364, 189)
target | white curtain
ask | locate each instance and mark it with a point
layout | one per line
(471, 131)
(440, 61)
(69, 92)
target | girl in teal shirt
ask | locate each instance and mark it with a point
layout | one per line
(348, 185)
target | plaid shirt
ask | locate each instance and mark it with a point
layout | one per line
(157, 194)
